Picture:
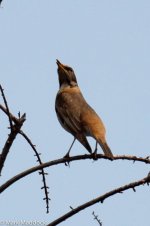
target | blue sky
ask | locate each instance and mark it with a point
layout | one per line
(107, 44)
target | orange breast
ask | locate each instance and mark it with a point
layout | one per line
(92, 124)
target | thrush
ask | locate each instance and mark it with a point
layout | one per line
(74, 113)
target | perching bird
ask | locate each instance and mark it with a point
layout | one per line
(74, 113)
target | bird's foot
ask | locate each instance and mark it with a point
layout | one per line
(67, 156)
(94, 154)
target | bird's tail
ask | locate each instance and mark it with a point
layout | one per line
(106, 149)
(84, 142)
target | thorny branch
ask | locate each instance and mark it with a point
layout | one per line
(62, 161)
(101, 199)
(16, 128)
(96, 218)
(42, 172)
(10, 140)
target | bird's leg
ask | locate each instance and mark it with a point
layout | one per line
(67, 154)
(95, 152)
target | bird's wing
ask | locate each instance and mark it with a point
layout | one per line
(68, 112)
(68, 108)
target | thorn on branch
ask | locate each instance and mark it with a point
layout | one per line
(40, 172)
(19, 114)
(45, 187)
(134, 189)
(45, 173)
(38, 153)
(23, 118)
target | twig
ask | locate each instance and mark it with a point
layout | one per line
(7, 108)
(62, 161)
(96, 218)
(42, 172)
(14, 119)
(10, 140)
(101, 199)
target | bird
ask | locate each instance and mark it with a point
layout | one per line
(75, 115)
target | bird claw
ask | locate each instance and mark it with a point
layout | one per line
(94, 154)
(67, 162)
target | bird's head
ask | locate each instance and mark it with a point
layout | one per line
(66, 75)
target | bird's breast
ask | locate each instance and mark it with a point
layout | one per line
(69, 89)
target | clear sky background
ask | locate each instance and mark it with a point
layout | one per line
(108, 45)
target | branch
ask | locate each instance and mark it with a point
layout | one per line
(64, 160)
(96, 218)
(14, 119)
(100, 199)
(45, 187)
(10, 140)
(42, 172)
(7, 108)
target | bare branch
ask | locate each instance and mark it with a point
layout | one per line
(96, 218)
(14, 119)
(101, 199)
(45, 187)
(7, 108)
(10, 140)
(62, 161)
(42, 172)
